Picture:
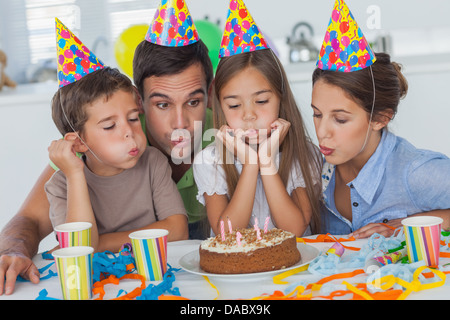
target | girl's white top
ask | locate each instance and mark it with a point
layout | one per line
(210, 179)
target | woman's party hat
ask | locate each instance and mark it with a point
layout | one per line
(344, 47)
(172, 25)
(241, 32)
(75, 60)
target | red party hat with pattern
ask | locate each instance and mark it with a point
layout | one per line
(344, 47)
(75, 60)
(172, 25)
(241, 33)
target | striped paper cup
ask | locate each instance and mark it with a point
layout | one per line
(150, 253)
(422, 235)
(74, 265)
(74, 234)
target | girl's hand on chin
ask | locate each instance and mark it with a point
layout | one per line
(234, 141)
(269, 148)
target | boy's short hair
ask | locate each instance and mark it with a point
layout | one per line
(156, 60)
(76, 96)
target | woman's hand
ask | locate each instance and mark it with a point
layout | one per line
(385, 229)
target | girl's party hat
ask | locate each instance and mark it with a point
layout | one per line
(241, 32)
(344, 47)
(172, 25)
(75, 60)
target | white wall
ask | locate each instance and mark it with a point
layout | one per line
(26, 130)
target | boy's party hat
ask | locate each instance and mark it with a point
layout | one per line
(344, 47)
(241, 32)
(172, 25)
(75, 60)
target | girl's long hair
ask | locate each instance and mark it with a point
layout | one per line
(296, 148)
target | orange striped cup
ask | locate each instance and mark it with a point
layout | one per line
(150, 252)
(73, 234)
(423, 234)
(75, 273)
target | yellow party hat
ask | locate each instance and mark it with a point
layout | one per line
(344, 47)
(172, 25)
(75, 60)
(241, 33)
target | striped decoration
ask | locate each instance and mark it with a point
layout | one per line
(423, 243)
(151, 257)
(75, 238)
(72, 234)
(75, 275)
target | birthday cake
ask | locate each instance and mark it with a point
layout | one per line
(249, 251)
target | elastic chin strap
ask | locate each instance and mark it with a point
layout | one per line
(371, 112)
(70, 124)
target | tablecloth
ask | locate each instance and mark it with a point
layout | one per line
(197, 287)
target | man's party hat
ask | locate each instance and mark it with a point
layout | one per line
(172, 25)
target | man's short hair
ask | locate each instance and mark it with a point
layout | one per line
(156, 60)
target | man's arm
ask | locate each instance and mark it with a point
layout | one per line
(20, 238)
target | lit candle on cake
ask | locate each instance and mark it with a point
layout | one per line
(222, 230)
(266, 224)
(238, 238)
(256, 224)
(258, 232)
(229, 225)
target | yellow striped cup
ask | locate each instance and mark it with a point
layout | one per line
(74, 266)
(150, 252)
(73, 234)
(423, 235)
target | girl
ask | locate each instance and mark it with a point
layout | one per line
(372, 179)
(256, 113)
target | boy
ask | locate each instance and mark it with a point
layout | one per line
(119, 184)
(19, 240)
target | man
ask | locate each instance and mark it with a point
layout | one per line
(174, 83)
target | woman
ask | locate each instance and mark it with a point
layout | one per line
(372, 179)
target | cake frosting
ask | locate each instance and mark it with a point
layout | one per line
(274, 250)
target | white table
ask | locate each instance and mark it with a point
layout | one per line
(196, 287)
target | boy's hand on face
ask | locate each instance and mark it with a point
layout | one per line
(63, 155)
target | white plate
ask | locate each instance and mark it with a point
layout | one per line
(191, 263)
